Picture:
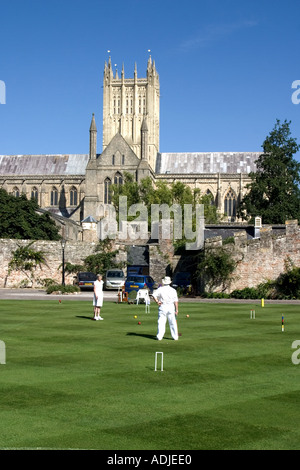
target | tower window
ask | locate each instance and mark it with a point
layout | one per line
(117, 105)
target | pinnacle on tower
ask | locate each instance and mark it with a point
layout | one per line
(93, 124)
(93, 139)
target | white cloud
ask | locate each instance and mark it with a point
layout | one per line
(214, 32)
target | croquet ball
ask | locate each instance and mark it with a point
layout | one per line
(135, 316)
(179, 334)
(188, 316)
(139, 323)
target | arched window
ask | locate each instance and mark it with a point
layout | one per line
(34, 194)
(230, 204)
(16, 191)
(107, 192)
(73, 196)
(54, 197)
(118, 179)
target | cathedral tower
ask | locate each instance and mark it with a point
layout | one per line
(128, 105)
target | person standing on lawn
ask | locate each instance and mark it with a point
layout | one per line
(98, 297)
(167, 301)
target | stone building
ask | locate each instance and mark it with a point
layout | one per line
(77, 186)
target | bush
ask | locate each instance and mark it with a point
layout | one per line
(288, 284)
(216, 267)
(215, 295)
(246, 293)
(47, 281)
(59, 288)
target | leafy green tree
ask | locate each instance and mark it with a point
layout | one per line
(216, 267)
(162, 193)
(26, 260)
(104, 258)
(129, 188)
(19, 218)
(274, 192)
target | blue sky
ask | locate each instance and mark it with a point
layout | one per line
(226, 70)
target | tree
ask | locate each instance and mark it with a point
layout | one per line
(216, 267)
(162, 193)
(103, 260)
(19, 218)
(26, 260)
(274, 192)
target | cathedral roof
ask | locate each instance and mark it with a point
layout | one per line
(17, 165)
(209, 162)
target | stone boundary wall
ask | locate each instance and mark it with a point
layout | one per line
(75, 253)
(262, 259)
(258, 260)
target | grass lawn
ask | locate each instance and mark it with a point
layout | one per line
(73, 383)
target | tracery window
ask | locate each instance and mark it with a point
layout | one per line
(54, 196)
(118, 179)
(73, 196)
(16, 191)
(209, 193)
(230, 204)
(34, 194)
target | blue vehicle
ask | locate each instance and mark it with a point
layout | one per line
(182, 280)
(136, 282)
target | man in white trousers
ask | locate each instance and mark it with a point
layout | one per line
(167, 300)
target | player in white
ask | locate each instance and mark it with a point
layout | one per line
(167, 300)
(98, 297)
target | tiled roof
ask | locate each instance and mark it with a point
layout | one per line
(210, 162)
(15, 165)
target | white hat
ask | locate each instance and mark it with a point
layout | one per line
(166, 280)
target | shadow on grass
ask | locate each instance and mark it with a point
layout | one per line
(143, 335)
(83, 316)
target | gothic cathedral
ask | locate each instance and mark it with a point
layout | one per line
(76, 187)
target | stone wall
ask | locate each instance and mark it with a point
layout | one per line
(258, 260)
(75, 252)
(262, 259)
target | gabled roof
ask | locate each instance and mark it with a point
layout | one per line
(118, 144)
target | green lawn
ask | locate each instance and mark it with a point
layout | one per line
(72, 383)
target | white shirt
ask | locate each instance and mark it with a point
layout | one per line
(98, 288)
(167, 295)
